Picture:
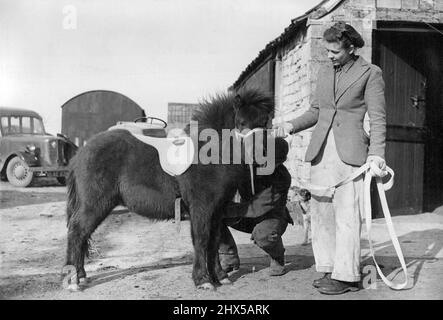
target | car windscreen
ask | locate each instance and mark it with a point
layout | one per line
(38, 126)
(12, 125)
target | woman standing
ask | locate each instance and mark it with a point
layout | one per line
(346, 89)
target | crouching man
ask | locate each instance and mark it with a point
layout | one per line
(263, 215)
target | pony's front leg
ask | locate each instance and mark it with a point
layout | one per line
(200, 231)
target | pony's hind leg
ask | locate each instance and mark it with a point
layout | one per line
(80, 228)
(74, 264)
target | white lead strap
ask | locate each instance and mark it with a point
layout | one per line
(368, 211)
(251, 170)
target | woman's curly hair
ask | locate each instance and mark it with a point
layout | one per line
(344, 33)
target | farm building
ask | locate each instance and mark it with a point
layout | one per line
(179, 114)
(404, 38)
(94, 111)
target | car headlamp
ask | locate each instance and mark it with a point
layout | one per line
(31, 147)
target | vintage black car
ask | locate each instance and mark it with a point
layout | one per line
(27, 151)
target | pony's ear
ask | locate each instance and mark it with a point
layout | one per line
(238, 102)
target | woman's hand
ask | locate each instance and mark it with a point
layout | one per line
(379, 167)
(283, 129)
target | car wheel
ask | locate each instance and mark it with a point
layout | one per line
(61, 180)
(18, 173)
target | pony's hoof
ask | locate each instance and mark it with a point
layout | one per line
(73, 287)
(206, 286)
(225, 281)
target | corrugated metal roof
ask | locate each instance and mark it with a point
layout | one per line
(271, 48)
(103, 92)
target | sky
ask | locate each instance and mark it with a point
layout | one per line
(152, 51)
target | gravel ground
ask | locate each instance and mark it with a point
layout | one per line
(136, 258)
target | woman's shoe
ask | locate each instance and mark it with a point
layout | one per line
(338, 287)
(317, 283)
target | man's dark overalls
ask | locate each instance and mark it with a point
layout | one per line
(261, 215)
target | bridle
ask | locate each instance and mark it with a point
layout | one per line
(242, 137)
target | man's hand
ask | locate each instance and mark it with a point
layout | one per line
(283, 129)
(378, 167)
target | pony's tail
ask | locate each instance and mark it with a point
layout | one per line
(72, 202)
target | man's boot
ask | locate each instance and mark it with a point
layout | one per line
(229, 261)
(227, 252)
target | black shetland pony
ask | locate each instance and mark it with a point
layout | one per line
(115, 168)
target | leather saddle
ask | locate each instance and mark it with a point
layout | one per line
(176, 154)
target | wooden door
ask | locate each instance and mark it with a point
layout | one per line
(405, 88)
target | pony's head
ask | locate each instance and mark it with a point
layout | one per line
(246, 109)
(253, 109)
(253, 112)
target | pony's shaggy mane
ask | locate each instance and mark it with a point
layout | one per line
(262, 101)
(218, 111)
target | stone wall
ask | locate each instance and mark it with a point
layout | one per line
(410, 10)
(293, 94)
